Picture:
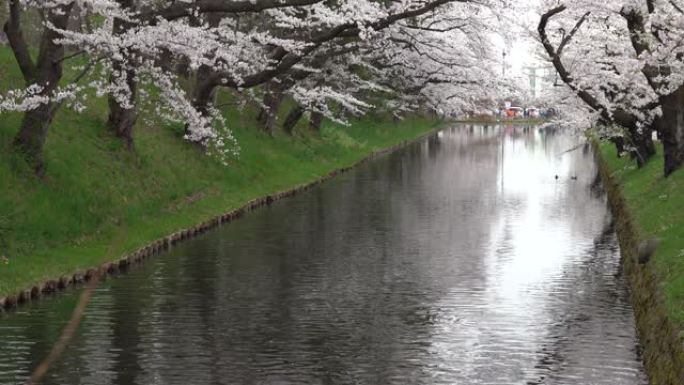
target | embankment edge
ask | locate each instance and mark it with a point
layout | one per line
(51, 286)
(663, 350)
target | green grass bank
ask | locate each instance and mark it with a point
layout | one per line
(99, 201)
(646, 206)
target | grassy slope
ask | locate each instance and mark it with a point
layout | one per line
(657, 207)
(99, 201)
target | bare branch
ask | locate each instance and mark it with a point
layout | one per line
(65, 58)
(572, 33)
(560, 67)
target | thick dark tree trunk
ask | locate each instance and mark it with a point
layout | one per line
(122, 120)
(204, 91)
(671, 123)
(672, 130)
(166, 61)
(619, 145)
(315, 121)
(46, 72)
(639, 139)
(182, 68)
(618, 141)
(644, 148)
(292, 119)
(31, 136)
(269, 113)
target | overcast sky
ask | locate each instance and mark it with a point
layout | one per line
(521, 47)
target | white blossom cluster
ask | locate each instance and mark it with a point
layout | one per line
(334, 58)
(32, 97)
(602, 57)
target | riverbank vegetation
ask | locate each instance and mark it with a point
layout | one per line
(122, 121)
(172, 60)
(655, 205)
(99, 201)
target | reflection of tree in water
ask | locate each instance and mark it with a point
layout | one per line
(597, 311)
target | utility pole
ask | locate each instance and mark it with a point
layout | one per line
(503, 64)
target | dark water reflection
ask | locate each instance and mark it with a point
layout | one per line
(459, 260)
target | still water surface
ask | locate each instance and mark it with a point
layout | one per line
(458, 260)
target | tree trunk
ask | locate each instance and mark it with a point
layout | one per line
(644, 148)
(639, 138)
(315, 121)
(292, 119)
(269, 113)
(182, 68)
(31, 136)
(619, 145)
(204, 91)
(618, 141)
(46, 71)
(672, 130)
(122, 120)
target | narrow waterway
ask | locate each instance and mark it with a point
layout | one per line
(461, 259)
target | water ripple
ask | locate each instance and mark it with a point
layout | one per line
(460, 260)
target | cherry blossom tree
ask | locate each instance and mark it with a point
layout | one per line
(656, 31)
(325, 26)
(330, 58)
(623, 60)
(439, 62)
(122, 48)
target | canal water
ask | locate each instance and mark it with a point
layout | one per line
(461, 259)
